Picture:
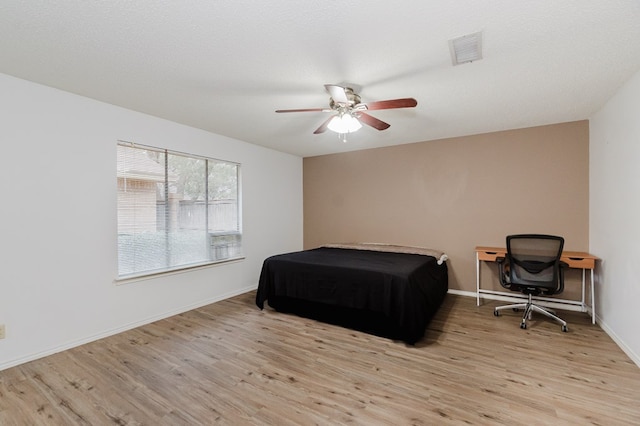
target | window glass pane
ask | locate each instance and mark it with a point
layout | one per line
(175, 210)
(224, 212)
(186, 215)
(223, 196)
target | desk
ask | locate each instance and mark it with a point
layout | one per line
(575, 260)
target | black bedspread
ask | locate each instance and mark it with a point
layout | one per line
(384, 293)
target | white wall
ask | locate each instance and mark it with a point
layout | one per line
(614, 207)
(58, 220)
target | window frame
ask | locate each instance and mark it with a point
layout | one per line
(210, 235)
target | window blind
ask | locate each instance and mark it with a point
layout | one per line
(175, 210)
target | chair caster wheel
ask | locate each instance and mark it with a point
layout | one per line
(564, 328)
(496, 313)
(523, 326)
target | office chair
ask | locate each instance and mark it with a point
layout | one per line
(532, 267)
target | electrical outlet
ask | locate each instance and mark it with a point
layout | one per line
(2, 335)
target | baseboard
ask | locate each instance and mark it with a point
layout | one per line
(130, 326)
(626, 349)
(462, 293)
(630, 353)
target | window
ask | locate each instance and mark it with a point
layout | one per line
(175, 210)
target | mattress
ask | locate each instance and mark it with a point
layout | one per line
(389, 293)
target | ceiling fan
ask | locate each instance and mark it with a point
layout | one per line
(350, 112)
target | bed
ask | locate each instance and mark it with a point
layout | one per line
(390, 291)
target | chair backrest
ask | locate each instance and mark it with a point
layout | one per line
(534, 262)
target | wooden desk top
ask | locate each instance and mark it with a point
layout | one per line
(575, 259)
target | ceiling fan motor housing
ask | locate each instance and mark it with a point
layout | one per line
(353, 98)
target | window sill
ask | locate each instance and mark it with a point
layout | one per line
(151, 275)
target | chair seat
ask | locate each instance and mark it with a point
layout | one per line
(534, 291)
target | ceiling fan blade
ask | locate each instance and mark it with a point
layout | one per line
(372, 121)
(337, 93)
(323, 126)
(392, 103)
(303, 110)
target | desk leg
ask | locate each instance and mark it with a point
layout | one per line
(477, 280)
(593, 299)
(584, 295)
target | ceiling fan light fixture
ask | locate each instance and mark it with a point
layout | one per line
(467, 48)
(344, 123)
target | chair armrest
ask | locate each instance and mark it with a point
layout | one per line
(504, 282)
(561, 269)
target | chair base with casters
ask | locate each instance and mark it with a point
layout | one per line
(529, 307)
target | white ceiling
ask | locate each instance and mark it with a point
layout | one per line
(226, 65)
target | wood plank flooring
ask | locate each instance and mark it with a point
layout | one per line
(230, 363)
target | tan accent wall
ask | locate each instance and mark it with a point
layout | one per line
(454, 194)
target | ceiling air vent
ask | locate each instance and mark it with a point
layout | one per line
(467, 48)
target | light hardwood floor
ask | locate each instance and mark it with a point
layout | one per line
(230, 363)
